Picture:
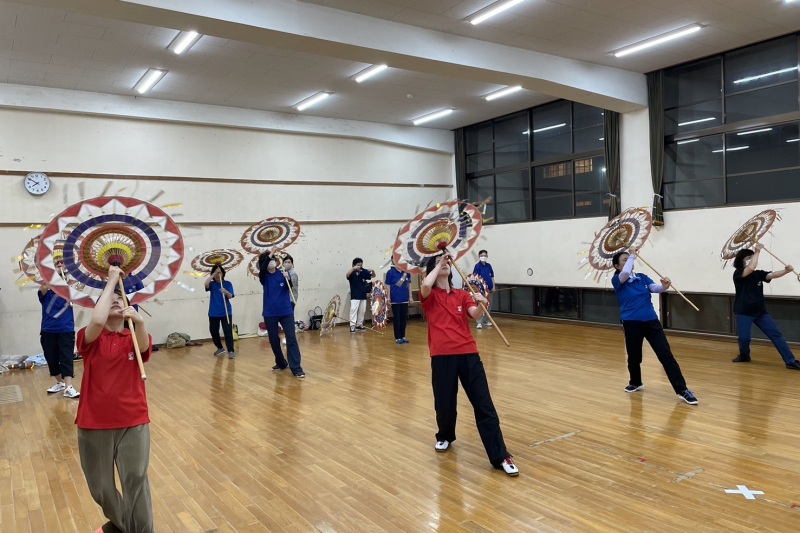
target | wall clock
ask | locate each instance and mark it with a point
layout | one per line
(37, 183)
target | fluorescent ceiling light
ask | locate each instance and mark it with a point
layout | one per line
(659, 39)
(792, 140)
(432, 116)
(494, 9)
(689, 141)
(502, 92)
(735, 149)
(308, 102)
(184, 41)
(759, 76)
(150, 78)
(550, 127)
(754, 131)
(369, 72)
(698, 121)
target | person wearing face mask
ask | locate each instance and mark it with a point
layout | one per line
(219, 310)
(750, 307)
(360, 284)
(278, 309)
(484, 270)
(640, 322)
(57, 336)
(288, 266)
(113, 418)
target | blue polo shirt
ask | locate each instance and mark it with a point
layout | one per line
(277, 301)
(359, 287)
(397, 295)
(485, 271)
(634, 298)
(215, 309)
(57, 316)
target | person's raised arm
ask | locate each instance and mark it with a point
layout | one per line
(476, 312)
(627, 269)
(103, 306)
(430, 280)
(780, 273)
(753, 263)
(140, 329)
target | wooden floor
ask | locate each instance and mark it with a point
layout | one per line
(236, 448)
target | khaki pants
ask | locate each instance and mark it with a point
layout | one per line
(129, 450)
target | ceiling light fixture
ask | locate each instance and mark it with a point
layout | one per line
(184, 41)
(736, 149)
(754, 131)
(502, 92)
(659, 39)
(432, 116)
(759, 76)
(311, 100)
(550, 127)
(698, 121)
(689, 141)
(492, 10)
(369, 72)
(150, 78)
(792, 140)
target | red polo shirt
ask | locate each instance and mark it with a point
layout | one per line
(448, 322)
(112, 391)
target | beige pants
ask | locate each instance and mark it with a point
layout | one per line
(129, 450)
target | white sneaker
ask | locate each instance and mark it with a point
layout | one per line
(479, 326)
(509, 467)
(442, 446)
(58, 387)
(70, 392)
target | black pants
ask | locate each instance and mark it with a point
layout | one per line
(227, 330)
(59, 350)
(635, 333)
(399, 320)
(446, 372)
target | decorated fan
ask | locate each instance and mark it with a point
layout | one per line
(270, 234)
(330, 314)
(252, 267)
(380, 304)
(135, 235)
(478, 283)
(749, 234)
(452, 225)
(226, 258)
(629, 228)
(27, 263)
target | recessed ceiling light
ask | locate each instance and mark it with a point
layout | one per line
(184, 41)
(658, 39)
(369, 72)
(312, 100)
(734, 149)
(432, 116)
(754, 131)
(759, 76)
(150, 78)
(698, 121)
(502, 92)
(492, 10)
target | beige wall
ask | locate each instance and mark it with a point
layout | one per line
(213, 213)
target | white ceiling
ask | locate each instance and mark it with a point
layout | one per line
(270, 55)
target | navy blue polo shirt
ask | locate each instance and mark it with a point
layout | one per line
(634, 298)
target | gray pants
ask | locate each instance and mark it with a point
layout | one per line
(129, 449)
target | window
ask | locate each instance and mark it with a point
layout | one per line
(541, 164)
(731, 126)
(568, 303)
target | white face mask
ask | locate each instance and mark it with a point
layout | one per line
(483, 259)
(271, 265)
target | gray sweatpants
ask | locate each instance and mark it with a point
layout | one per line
(129, 449)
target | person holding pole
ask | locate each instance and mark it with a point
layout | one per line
(113, 418)
(219, 310)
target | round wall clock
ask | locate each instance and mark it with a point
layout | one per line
(37, 183)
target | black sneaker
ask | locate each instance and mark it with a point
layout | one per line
(634, 388)
(741, 359)
(794, 366)
(688, 397)
(278, 368)
(360, 328)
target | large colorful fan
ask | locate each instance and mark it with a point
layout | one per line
(749, 233)
(380, 304)
(135, 235)
(452, 225)
(478, 283)
(252, 266)
(629, 228)
(27, 263)
(330, 314)
(226, 257)
(270, 234)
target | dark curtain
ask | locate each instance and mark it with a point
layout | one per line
(611, 147)
(461, 163)
(655, 103)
